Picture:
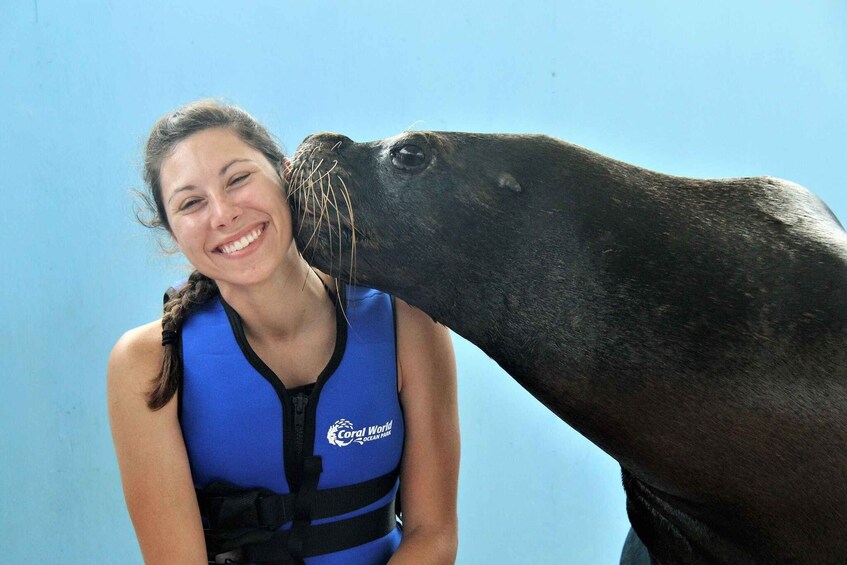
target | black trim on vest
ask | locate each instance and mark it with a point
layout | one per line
(305, 389)
(293, 463)
(340, 299)
(398, 502)
(179, 385)
(396, 358)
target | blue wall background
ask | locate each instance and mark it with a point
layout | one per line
(715, 89)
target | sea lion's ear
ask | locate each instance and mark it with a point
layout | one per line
(505, 180)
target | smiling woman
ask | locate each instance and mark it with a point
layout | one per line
(225, 413)
(232, 222)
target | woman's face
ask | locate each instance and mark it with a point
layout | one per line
(226, 208)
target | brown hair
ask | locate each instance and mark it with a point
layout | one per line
(168, 131)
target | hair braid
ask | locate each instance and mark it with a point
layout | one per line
(197, 291)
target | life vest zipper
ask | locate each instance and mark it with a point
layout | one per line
(300, 401)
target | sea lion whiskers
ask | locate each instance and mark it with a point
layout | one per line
(323, 216)
(314, 186)
(311, 183)
(345, 192)
(315, 167)
(328, 190)
(329, 198)
(296, 186)
(329, 226)
(305, 196)
(413, 125)
(334, 204)
(326, 203)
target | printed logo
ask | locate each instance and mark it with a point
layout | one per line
(342, 433)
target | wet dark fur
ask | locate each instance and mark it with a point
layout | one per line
(692, 329)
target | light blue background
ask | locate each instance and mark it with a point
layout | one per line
(712, 89)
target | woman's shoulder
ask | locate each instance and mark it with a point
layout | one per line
(421, 341)
(413, 317)
(136, 356)
(142, 341)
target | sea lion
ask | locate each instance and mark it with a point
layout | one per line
(692, 329)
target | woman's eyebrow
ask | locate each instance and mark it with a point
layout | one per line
(177, 191)
(228, 165)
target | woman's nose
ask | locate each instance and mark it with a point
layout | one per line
(225, 209)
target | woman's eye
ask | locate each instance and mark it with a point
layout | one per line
(189, 204)
(239, 178)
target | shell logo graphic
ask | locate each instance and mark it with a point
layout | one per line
(341, 426)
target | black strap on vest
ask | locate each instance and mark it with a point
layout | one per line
(227, 506)
(242, 518)
(312, 469)
(317, 539)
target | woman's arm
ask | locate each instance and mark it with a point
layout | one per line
(151, 454)
(429, 471)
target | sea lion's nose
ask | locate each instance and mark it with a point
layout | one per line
(327, 140)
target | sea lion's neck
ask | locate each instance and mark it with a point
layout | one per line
(647, 330)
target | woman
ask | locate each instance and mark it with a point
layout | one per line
(273, 390)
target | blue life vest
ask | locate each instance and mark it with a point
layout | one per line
(284, 478)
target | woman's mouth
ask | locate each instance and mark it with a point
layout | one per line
(240, 244)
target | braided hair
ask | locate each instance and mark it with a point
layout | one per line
(197, 291)
(168, 131)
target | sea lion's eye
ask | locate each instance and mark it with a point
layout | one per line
(408, 157)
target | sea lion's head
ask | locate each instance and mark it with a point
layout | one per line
(444, 209)
(478, 230)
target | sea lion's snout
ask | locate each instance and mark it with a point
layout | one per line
(324, 224)
(324, 141)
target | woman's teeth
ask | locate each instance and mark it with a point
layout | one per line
(243, 242)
